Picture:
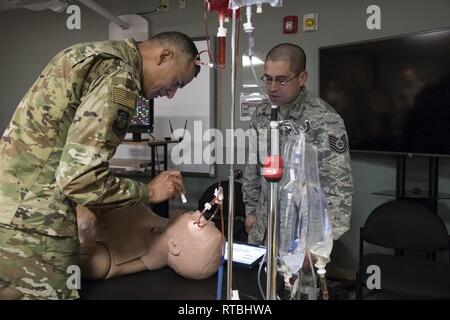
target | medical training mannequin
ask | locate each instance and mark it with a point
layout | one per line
(128, 240)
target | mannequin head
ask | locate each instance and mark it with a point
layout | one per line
(194, 250)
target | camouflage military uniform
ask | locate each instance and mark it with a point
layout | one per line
(327, 132)
(55, 153)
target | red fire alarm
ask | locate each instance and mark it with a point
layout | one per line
(290, 24)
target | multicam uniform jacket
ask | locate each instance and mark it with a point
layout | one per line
(54, 154)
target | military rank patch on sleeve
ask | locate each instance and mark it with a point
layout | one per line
(340, 145)
(124, 97)
(120, 124)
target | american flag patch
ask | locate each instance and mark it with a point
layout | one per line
(124, 97)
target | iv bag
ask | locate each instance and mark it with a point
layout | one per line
(320, 238)
(288, 194)
(240, 3)
(292, 194)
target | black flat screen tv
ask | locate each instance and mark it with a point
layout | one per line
(393, 94)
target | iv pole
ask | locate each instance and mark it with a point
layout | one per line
(231, 172)
(272, 171)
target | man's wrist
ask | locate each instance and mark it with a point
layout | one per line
(143, 193)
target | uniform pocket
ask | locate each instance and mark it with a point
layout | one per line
(60, 252)
(115, 121)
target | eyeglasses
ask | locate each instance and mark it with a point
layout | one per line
(268, 80)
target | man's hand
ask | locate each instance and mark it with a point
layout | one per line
(249, 222)
(167, 185)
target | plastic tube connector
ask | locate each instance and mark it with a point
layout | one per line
(221, 32)
(321, 272)
(248, 27)
(218, 193)
(259, 8)
(320, 264)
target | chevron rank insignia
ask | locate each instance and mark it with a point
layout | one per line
(340, 145)
(124, 97)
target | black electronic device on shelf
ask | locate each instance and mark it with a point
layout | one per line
(143, 119)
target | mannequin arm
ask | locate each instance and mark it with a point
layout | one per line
(94, 261)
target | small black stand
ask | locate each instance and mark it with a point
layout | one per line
(137, 136)
(433, 176)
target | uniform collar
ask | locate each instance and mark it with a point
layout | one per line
(135, 56)
(296, 108)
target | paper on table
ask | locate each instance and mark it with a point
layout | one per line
(244, 253)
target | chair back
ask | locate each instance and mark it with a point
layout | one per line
(407, 225)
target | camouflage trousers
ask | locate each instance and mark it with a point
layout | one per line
(34, 266)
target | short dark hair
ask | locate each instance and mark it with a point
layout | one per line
(179, 41)
(289, 52)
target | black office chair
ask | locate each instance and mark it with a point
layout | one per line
(239, 209)
(406, 226)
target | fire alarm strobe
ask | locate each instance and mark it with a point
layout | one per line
(290, 24)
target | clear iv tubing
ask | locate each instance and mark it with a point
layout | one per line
(251, 45)
(312, 267)
(251, 48)
(324, 288)
(259, 278)
(321, 262)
